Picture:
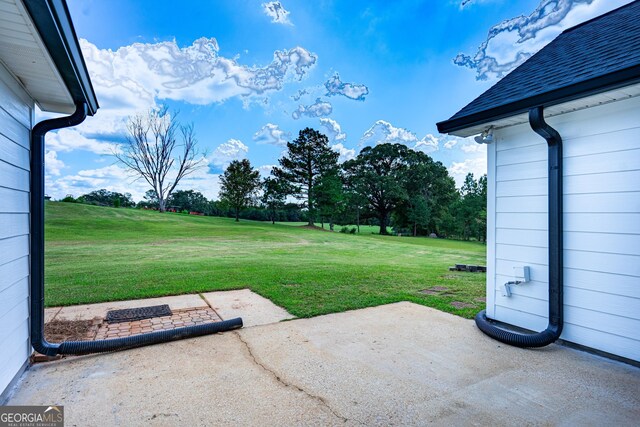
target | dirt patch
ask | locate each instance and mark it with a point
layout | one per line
(481, 299)
(71, 330)
(459, 304)
(429, 292)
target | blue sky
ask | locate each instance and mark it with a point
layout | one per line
(251, 74)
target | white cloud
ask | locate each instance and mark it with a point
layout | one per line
(317, 109)
(345, 153)
(203, 181)
(512, 41)
(225, 153)
(133, 78)
(428, 144)
(473, 147)
(265, 170)
(459, 170)
(277, 12)
(121, 180)
(299, 94)
(70, 139)
(451, 143)
(333, 130)
(383, 132)
(142, 72)
(53, 165)
(272, 134)
(112, 178)
(353, 91)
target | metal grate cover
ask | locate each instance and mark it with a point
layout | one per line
(131, 314)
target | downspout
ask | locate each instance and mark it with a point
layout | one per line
(36, 228)
(556, 314)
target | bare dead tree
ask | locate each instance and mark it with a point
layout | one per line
(149, 151)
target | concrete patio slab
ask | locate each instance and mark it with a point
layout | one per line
(51, 313)
(399, 364)
(90, 311)
(254, 309)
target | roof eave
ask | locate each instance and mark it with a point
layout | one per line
(578, 90)
(53, 21)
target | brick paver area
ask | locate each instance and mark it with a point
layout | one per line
(179, 318)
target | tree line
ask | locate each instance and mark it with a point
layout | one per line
(389, 185)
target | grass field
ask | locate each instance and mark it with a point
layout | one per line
(364, 229)
(96, 254)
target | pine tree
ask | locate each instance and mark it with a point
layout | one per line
(307, 160)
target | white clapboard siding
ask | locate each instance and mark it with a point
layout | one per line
(13, 358)
(12, 129)
(12, 201)
(16, 112)
(12, 225)
(13, 248)
(601, 173)
(606, 302)
(13, 319)
(13, 295)
(14, 154)
(13, 177)
(13, 271)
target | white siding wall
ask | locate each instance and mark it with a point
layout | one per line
(16, 118)
(601, 223)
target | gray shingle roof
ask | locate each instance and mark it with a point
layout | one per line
(597, 55)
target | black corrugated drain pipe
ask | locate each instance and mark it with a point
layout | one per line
(38, 340)
(556, 315)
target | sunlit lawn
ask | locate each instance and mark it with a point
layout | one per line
(97, 254)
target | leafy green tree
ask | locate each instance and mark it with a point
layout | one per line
(105, 197)
(378, 175)
(149, 200)
(474, 207)
(430, 191)
(274, 195)
(239, 185)
(330, 196)
(468, 212)
(308, 158)
(188, 200)
(417, 213)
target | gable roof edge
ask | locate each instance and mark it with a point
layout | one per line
(611, 81)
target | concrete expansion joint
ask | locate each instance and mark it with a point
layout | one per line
(271, 372)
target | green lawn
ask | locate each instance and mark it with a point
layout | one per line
(96, 254)
(364, 229)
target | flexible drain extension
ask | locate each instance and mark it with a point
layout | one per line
(101, 346)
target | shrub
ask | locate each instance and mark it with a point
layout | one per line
(69, 199)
